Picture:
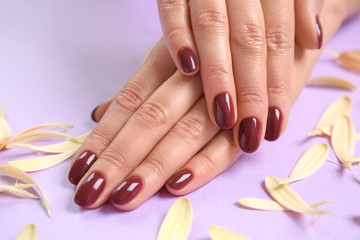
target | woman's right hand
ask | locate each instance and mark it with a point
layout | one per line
(157, 131)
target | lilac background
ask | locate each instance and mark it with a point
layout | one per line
(59, 59)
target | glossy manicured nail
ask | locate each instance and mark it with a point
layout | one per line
(180, 179)
(126, 191)
(90, 190)
(93, 114)
(249, 134)
(274, 124)
(81, 166)
(187, 60)
(319, 32)
(224, 111)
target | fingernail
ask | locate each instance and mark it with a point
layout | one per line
(93, 114)
(319, 32)
(180, 179)
(187, 60)
(90, 190)
(81, 166)
(224, 111)
(126, 191)
(249, 134)
(274, 124)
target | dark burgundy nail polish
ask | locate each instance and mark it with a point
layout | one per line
(93, 114)
(249, 134)
(90, 189)
(187, 60)
(274, 124)
(180, 179)
(224, 111)
(126, 191)
(319, 32)
(81, 166)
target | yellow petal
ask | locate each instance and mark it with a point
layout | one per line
(55, 148)
(178, 221)
(41, 163)
(37, 136)
(358, 137)
(17, 191)
(28, 233)
(220, 233)
(5, 130)
(309, 163)
(332, 81)
(343, 140)
(350, 60)
(341, 106)
(267, 205)
(287, 197)
(17, 173)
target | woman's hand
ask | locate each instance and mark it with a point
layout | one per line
(157, 131)
(245, 52)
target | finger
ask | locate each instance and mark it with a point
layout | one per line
(138, 137)
(211, 31)
(220, 153)
(279, 22)
(183, 141)
(100, 110)
(175, 23)
(308, 30)
(156, 69)
(248, 48)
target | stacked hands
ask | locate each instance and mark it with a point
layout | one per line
(174, 125)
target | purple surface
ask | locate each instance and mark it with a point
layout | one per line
(59, 59)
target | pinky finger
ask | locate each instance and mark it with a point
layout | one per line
(100, 110)
(218, 155)
(308, 30)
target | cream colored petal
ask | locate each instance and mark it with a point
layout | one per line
(309, 163)
(5, 130)
(37, 136)
(343, 139)
(341, 106)
(18, 191)
(41, 163)
(333, 81)
(177, 222)
(18, 174)
(287, 197)
(350, 60)
(220, 233)
(28, 233)
(55, 148)
(358, 137)
(267, 205)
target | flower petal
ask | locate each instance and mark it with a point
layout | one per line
(350, 60)
(28, 233)
(178, 221)
(17, 173)
(341, 106)
(332, 81)
(18, 191)
(220, 233)
(287, 197)
(5, 130)
(309, 163)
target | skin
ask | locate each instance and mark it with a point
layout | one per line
(158, 124)
(243, 48)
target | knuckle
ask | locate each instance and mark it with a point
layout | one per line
(253, 96)
(115, 159)
(279, 39)
(167, 6)
(228, 140)
(279, 90)
(174, 32)
(153, 113)
(211, 20)
(129, 98)
(216, 74)
(208, 162)
(100, 136)
(248, 37)
(190, 128)
(156, 167)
